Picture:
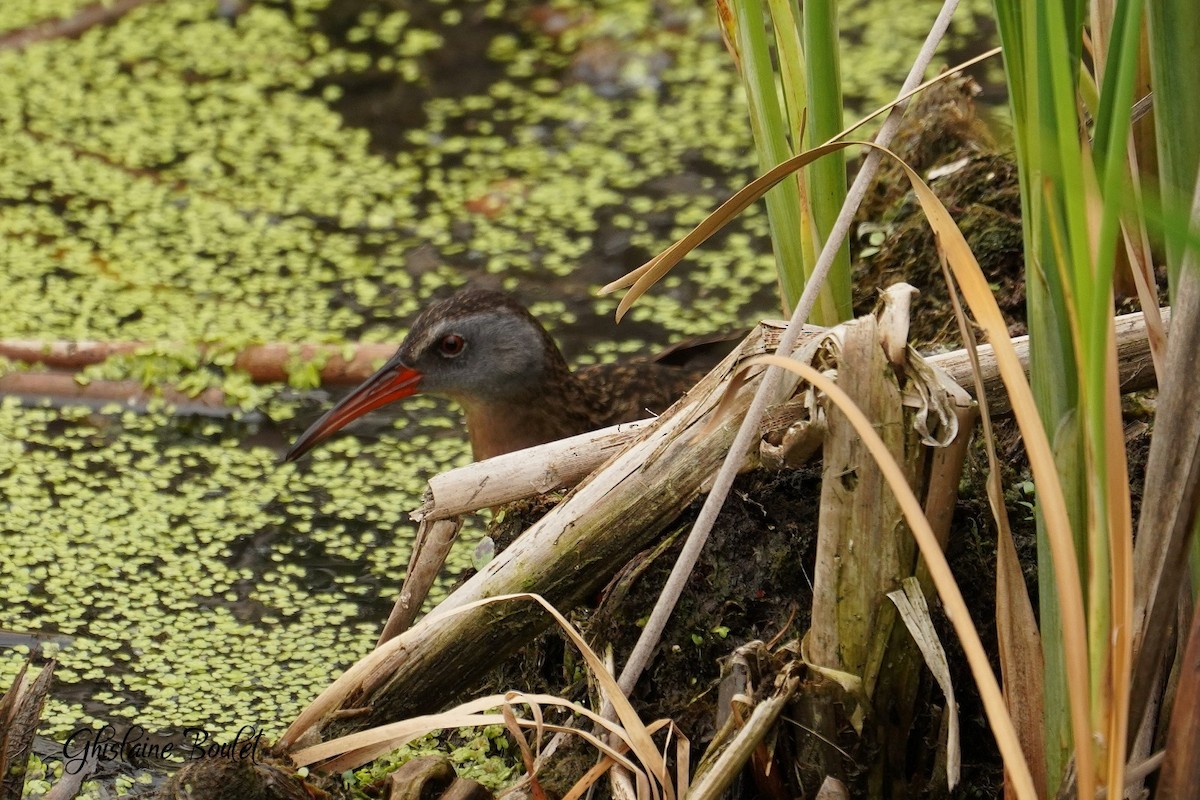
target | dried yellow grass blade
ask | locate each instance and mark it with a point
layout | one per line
(683, 762)
(376, 741)
(518, 735)
(629, 278)
(349, 752)
(914, 612)
(1018, 638)
(535, 710)
(653, 271)
(637, 734)
(939, 570)
(605, 763)
(1120, 536)
(983, 306)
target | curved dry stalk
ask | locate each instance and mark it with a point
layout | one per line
(1018, 638)
(682, 773)
(753, 191)
(353, 751)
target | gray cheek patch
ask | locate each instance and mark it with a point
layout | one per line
(504, 357)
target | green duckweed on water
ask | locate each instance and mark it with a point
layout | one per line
(313, 172)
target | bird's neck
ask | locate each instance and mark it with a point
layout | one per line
(552, 408)
(501, 427)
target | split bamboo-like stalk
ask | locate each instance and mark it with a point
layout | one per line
(862, 544)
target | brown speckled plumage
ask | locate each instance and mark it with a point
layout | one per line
(484, 350)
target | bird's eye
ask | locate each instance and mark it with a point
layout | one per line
(452, 345)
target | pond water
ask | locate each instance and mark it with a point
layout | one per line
(315, 171)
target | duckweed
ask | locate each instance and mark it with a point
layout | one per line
(175, 178)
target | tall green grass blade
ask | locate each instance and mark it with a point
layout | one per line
(1174, 28)
(794, 83)
(786, 220)
(1111, 548)
(826, 179)
(792, 70)
(1074, 194)
(1051, 375)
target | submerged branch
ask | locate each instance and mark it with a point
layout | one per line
(64, 389)
(265, 363)
(70, 27)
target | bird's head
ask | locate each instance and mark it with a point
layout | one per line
(477, 348)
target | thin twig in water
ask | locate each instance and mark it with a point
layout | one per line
(266, 362)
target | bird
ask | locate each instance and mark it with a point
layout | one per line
(484, 350)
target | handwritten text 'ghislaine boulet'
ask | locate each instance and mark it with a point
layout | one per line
(133, 744)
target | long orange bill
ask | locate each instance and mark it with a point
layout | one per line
(392, 382)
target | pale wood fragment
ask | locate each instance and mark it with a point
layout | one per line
(537, 470)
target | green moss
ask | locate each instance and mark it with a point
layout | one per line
(479, 754)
